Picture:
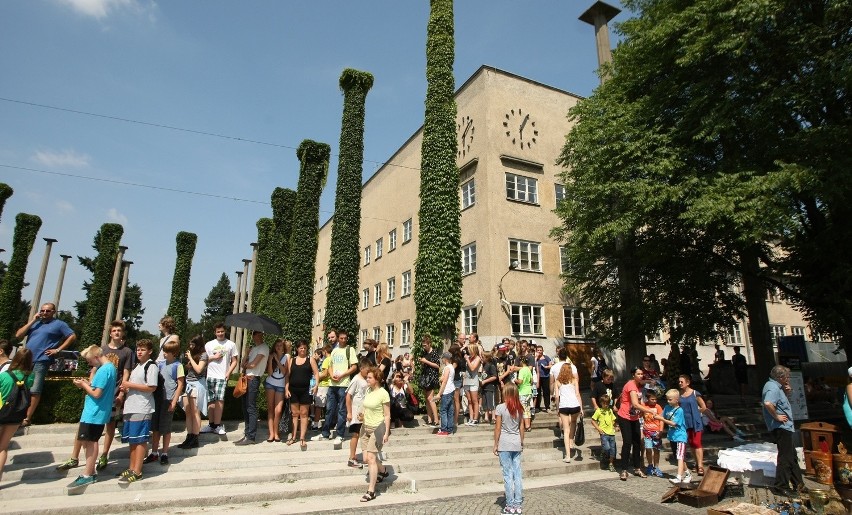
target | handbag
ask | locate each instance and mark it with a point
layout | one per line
(241, 387)
(580, 432)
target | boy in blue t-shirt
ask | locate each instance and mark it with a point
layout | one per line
(97, 408)
(673, 417)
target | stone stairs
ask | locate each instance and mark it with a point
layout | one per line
(220, 473)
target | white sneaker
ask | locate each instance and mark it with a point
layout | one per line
(738, 438)
(338, 440)
(687, 478)
(676, 480)
(318, 438)
(221, 429)
(207, 429)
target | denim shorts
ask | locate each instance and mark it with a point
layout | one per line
(39, 372)
(267, 386)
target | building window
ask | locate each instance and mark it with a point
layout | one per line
(734, 335)
(470, 320)
(468, 191)
(527, 319)
(377, 294)
(405, 333)
(367, 255)
(390, 332)
(365, 298)
(796, 330)
(777, 331)
(560, 193)
(520, 188)
(391, 288)
(379, 244)
(655, 337)
(364, 336)
(469, 259)
(576, 321)
(817, 337)
(392, 240)
(406, 283)
(772, 295)
(563, 259)
(377, 333)
(526, 253)
(406, 231)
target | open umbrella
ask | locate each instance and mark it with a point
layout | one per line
(254, 322)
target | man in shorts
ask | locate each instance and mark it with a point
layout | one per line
(222, 361)
(46, 336)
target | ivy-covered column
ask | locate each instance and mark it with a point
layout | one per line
(437, 281)
(178, 308)
(26, 229)
(283, 203)
(345, 259)
(5, 192)
(265, 235)
(107, 240)
(301, 264)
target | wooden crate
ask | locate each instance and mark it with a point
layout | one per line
(709, 490)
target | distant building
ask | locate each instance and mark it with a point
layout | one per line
(510, 132)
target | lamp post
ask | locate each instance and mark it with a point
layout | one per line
(40, 283)
(111, 303)
(61, 280)
(505, 305)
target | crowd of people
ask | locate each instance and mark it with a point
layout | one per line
(338, 392)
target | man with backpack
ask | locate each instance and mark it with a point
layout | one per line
(344, 364)
(46, 336)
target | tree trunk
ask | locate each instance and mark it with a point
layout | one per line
(754, 290)
(631, 310)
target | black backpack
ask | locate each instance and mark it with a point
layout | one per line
(15, 405)
(161, 382)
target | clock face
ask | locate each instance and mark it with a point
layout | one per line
(520, 129)
(464, 129)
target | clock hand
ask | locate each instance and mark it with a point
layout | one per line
(467, 128)
(523, 124)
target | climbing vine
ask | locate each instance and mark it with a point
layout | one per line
(107, 240)
(178, 308)
(26, 229)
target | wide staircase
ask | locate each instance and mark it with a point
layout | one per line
(219, 473)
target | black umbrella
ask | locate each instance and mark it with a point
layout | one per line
(254, 322)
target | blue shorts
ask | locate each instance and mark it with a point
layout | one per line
(39, 372)
(136, 432)
(279, 389)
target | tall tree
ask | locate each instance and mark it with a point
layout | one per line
(5, 192)
(437, 284)
(218, 304)
(344, 262)
(178, 308)
(283, 202)
(132, 311)
(26, 229)
(263, 267)
(301, 264)
(106, 243)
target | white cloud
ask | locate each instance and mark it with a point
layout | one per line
(64, 207)
(66, 158)
(100, 9)
(114, 216)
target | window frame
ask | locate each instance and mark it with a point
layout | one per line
(407, 230)
(406, 284)
(530, 194)
(519, 252)
(532, 310)
(468, 193)
(391, 293)
(468, 264)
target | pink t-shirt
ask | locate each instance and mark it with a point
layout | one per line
(625, 407)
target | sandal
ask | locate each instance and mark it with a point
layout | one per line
(623, 475)
(26, 423)
(291, 441)
(700, 471)
(381, 476)
(369, 496)
(303, 444)
(638, 472)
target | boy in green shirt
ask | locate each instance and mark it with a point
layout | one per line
(524, 382)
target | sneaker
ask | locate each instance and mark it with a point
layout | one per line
(102, 462)
(83, 481)
(354, 464)
(658, 472)
(208, 429)
(442, 433)
(649, 470)
(164, 459)
(69, 464)
(475, 422)
(124, 473)
(319, 438)
(469, 422)
(130, 477)
(338, 440)
(245, 441)
(688, 477)
(152, 458)
(739, 439)
(221, 430)
(676, 480)
(611, 468)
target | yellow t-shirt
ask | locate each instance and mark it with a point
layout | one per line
(374, 410)
(605, 420)
(341, 360)
(324, 366)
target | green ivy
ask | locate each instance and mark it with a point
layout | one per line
(344, 262)
(107, 240)
(180, 283)
(283, 202)
(437, 287)
(263, 267)
(301, 263)
(26, 229)
(5, 192)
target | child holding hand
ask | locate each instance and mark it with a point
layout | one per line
(673, 417)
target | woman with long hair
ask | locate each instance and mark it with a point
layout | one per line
(568, 400)
(277, 371)
(19, 370)
(298, 389)
(459, 368)
(471, 383)
(430, 363)
(399, 393)
(629, 409)
(194, 398)
(693, 407)
(383, 361)
(376, 430)
(508, 445)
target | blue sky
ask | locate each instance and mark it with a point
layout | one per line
(264, 70)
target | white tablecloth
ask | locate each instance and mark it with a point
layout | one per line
(752, 457)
